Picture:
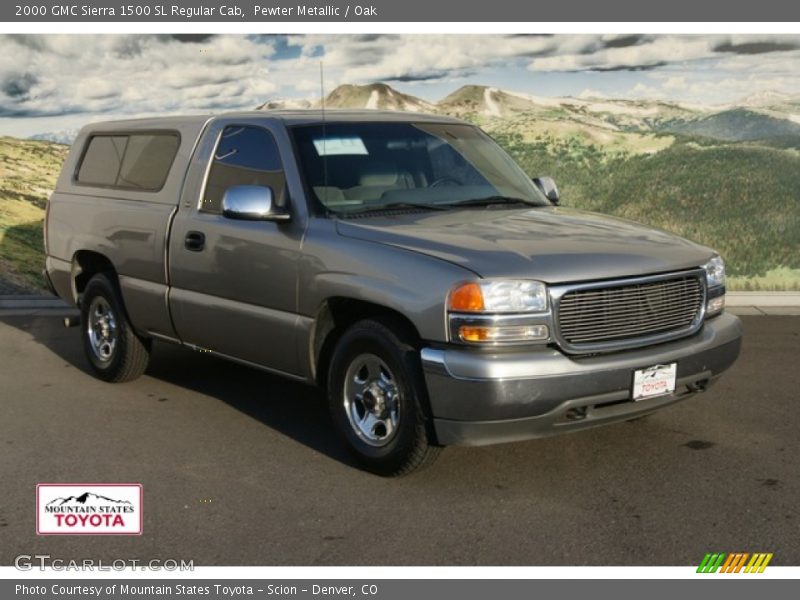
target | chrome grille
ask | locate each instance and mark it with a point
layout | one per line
(627, 314)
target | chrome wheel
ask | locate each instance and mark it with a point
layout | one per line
(371, 400)
(101, 328)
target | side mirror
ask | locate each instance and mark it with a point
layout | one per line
(251, 203)
(548, 187)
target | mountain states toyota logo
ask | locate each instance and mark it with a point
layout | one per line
(89, 509)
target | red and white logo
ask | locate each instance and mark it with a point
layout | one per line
(89, 509)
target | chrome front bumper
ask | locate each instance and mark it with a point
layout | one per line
(480, 397)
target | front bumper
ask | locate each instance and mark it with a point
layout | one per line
(482, 398)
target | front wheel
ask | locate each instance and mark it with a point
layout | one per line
(376, 395)
(114, 351)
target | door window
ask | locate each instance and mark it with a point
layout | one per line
(245, 155)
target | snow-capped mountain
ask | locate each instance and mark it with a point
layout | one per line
(762, 115)
(86, 499)
(768, 98)
(376, 96)
(65, 136)
(286, 104)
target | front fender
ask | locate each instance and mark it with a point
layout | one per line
(412, 284)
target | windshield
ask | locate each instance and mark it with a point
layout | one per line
(357, 167)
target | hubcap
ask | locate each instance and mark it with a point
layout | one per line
(371, 400)
(102, 329)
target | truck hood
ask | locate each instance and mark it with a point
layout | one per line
(551, 244)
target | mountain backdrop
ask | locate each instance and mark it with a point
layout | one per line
(760, 116)
(726, 176)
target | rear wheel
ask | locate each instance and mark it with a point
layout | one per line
(114, 350)
(376, 394)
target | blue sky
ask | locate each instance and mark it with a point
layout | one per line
(53, 83)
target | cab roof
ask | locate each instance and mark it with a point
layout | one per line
(287, 116)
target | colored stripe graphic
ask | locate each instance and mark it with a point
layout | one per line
(703, 563)
(734, 562)
(729, 562)
(758, 563)
(711, 562)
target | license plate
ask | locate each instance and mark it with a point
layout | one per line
(654, 381)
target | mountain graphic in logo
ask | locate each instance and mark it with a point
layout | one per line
(86, 499)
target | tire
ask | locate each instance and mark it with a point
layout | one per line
(375, 370)
(114, 351)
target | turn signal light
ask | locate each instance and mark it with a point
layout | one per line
(715, 306)
(467, 298)
(503, 334)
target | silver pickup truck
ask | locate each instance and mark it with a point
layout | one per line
(402, 262)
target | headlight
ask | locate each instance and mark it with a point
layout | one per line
(499, 296)
(715, 272)
(715, 278)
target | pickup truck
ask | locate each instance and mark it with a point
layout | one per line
(402, 262)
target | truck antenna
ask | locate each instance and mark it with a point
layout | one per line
(324, 133)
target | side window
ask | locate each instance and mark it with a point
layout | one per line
(244, 156)
(147, 161)
(102, 159)
(135, 161)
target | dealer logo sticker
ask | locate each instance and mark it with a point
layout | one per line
(89, 509)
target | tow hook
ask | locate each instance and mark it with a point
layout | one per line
(699, 386)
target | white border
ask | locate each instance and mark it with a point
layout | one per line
(345, 28)
(379, 573)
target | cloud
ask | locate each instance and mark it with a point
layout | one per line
(646, 53)
(643, 90)
(191, 38)
(637, 53)
(18, 85)
(675, 83)
(590, 94)
(429, 76)
(131, 73)
(623, 41)
(90, 76)
(359, 59)
(756, 47)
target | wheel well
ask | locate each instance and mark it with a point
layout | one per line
(333, 319)
(85, 265)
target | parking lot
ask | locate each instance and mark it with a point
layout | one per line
(240, 468)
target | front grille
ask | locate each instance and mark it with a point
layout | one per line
(625, 313)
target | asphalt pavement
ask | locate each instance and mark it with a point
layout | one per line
(242, 468)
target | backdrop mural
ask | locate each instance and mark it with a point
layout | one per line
(695, 134)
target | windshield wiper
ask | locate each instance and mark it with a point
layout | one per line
(395, 206)
(489, 201)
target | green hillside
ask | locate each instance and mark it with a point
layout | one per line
(742, 199)
(736, 125)
(28, 173)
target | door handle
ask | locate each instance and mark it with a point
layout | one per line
(195, 241)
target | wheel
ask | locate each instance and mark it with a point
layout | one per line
(114, 351)
(376, 394)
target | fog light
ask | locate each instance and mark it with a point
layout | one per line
(503, 334)
(715, 305)
(575, 414)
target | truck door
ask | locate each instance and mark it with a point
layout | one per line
(234, 283)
